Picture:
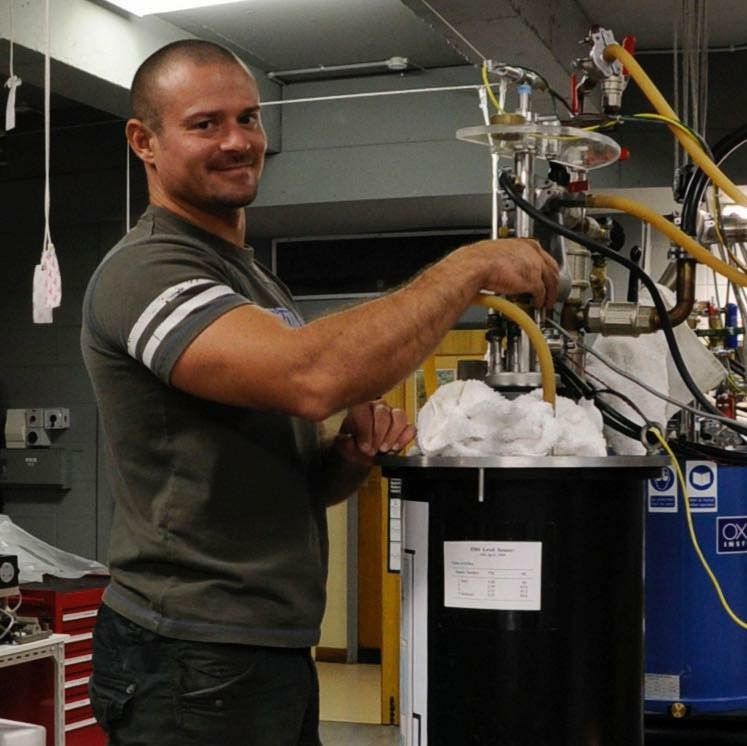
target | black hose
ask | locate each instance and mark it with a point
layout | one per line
(707, 452)
(613, 424)
(611, 416)
(666, 326)
(698, 181)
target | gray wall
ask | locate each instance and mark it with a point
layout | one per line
(369, 165)
(41, 365)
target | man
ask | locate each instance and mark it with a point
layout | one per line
(209, 387)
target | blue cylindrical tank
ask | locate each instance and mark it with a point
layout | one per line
(695, 654)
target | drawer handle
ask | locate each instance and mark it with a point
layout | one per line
(75, 615)
(79, 638)
(77, 704)
(77, 682)
(78, 659)
(80, 724)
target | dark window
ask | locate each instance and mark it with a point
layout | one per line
(361, 264)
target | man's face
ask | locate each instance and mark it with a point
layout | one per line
(209, 150)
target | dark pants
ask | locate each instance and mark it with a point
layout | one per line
(149, 690)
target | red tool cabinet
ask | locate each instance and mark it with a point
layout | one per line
(70, 607)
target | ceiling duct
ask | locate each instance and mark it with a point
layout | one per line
(325, 72)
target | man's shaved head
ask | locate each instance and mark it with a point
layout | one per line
(145, 94)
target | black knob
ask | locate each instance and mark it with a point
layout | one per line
(635, 256)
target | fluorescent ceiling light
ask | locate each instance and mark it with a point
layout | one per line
(151, 7)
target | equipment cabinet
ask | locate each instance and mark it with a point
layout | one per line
(70, 607)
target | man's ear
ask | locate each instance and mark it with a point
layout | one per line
(140, 137)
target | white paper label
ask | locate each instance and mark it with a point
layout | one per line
(662, 687)
(504, 575)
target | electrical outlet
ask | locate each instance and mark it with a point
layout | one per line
(56, 418)
(34, 418)
(36, 437)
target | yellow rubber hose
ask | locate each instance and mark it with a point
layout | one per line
(688, 243)
(617, 52)
(544, 356)
(489, 88)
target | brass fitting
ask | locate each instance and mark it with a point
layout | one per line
(598, 279)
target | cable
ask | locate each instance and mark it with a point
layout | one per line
(554, 95)
(617, 52)
(739, 367)
(617, 426)
(672, 123)
(372, 94)
(627, 400)
(489, 88)
(18, 605)
(705, 452)
(634, 433)
(10, 624)
(655, 118)
(699, 180)
(611, 416)
(625, 374)
(594, 392)
(562, 100)
(456, 31)
(666, 325)
(691, 529)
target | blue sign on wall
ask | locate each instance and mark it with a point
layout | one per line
(662, 492)
(701, 478)
(731, 534)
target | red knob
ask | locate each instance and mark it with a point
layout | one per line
(629, 46)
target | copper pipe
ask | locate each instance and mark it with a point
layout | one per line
(685, 294)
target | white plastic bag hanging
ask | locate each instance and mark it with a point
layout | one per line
(47, 293)
(47, 289)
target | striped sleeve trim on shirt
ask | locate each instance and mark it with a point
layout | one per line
(164, 315)
(156, 306)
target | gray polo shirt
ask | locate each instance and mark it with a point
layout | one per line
(217, 534)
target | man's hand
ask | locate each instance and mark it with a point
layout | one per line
(372, 428)
(513, 266)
